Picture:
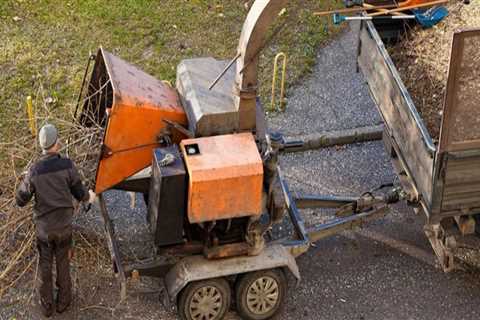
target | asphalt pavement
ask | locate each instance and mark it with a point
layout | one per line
(386, 270)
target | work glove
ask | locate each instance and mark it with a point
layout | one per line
(91, 196)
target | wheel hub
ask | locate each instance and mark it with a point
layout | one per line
(262, 295)
(206, 303)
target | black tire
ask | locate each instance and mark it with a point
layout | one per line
(271, 283)
(217, 297)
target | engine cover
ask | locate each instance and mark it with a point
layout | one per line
(209, 112)
(225, 177)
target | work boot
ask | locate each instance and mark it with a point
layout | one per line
(46, 309)
(62, 307)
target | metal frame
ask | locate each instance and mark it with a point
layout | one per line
(113, 247)
(197, 267)
(373, 209)
(179, 272)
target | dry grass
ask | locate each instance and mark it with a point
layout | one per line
(17, 232)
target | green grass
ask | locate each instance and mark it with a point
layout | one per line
(45, 44)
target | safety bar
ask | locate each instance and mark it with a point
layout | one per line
(113, 247)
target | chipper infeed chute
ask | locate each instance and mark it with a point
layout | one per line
(130, 105)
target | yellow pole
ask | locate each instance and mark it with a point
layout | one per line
(31, 116)
(168, 83)
(282, 84)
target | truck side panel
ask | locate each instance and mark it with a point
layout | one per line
(403, 124)
(458, 174)
(461, 187)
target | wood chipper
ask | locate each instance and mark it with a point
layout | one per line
(207, 166)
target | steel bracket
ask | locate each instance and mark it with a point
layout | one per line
(442, 245)
(195, 268)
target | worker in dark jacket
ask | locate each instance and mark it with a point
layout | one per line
(53, 180)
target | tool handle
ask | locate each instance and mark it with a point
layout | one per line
(382, 17)
(354, 10)
(372, 7)
(224, 71)
(421, 5)
(337, 18)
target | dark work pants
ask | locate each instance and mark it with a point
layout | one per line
(56, 246)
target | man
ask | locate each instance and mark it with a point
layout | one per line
(53, 180)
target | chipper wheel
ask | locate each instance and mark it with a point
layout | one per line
(205, 300)
(259, 295)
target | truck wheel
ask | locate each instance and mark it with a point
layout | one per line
(259, 294)
(205, 300)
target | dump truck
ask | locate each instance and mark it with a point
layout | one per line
(203, 157)
(441, 178)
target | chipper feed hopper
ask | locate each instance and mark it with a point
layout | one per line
(207, 166)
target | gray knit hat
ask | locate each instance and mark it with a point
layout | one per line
(47, 136)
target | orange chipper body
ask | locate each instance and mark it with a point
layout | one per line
(225, 177)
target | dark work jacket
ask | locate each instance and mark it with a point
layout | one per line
(53, 180)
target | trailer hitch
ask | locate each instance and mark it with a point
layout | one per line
(351, 213)
(349, 205)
